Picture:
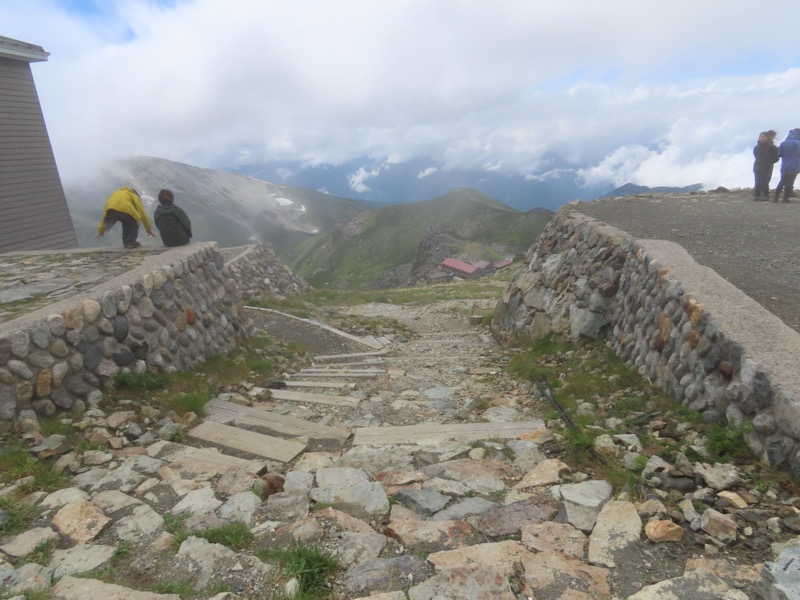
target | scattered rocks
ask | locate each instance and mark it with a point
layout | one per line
(496, 518)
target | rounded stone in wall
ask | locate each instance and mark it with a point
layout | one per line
(91, 310)
(39, 333)
(140, 350)
(92, 357)
(20, 343)
(59, 348)
(91, 334)
(108, 304)
(44, 407)
(123, 356)
(62, 399)
(8, 402)
(120, 326)
(76, 385)
(57, 324)
(158, 298)
(91, 379)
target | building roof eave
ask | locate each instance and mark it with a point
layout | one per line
(15, 49)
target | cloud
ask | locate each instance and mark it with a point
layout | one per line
(670, 93)
(357, 180)
(426, 172)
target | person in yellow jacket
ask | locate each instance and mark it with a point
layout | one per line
(125, 206)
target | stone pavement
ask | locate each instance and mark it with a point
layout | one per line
(31, 280)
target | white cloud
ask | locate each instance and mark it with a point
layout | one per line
(666, 93)
(357, 180)
(426, 172)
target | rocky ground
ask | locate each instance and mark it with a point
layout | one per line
(495, 519)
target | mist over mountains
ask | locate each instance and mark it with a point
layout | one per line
(382, 182)
(228, 208)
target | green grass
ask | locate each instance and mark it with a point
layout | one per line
(727, 443)
(310, 565)
(17, 462)
(40, 555)
(142, 382)
(235, 536)
(20, 515)
(188, 402)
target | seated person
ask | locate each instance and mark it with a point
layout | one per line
(173, 224)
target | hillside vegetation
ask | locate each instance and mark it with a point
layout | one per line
(403, 244)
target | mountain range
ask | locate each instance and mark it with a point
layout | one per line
(383, 182)
(332, 240)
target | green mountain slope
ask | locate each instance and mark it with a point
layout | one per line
(402, 244)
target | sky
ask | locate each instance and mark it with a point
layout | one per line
(618, 91)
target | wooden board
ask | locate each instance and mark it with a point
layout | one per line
(337, 369)
(361, 363)
(334, 385)
(251, 442)
(438, 432)
(337, 374)
(314, 398)
(335, 357)
(211, 458)
(284, 424)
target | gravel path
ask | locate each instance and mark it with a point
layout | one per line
(754, 245)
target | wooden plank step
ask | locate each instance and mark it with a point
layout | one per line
(336, 369)
(284, 424)
(209, 458)
(335, 357)
(439, 432)
(335, 374)
(361, 363)
(334, 385)
(314, 398)
(270, 447)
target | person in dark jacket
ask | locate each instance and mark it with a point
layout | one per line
(766, 155)
(789, 151)
(173, 224)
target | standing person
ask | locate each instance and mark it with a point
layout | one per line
(125, 206)
(789, 151)
(766, 155)
(173, 224)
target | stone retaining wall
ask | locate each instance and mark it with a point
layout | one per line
(171, 313)
(260, 273)
(687, 330)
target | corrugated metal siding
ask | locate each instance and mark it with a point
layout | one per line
(33, 209)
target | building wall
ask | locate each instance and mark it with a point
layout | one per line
(33, 208)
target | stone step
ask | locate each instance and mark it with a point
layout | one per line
(314, 398)
(428, 433)
(235, 438)
(209, 458)
(229, 412)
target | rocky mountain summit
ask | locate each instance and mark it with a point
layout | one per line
(148, 511)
